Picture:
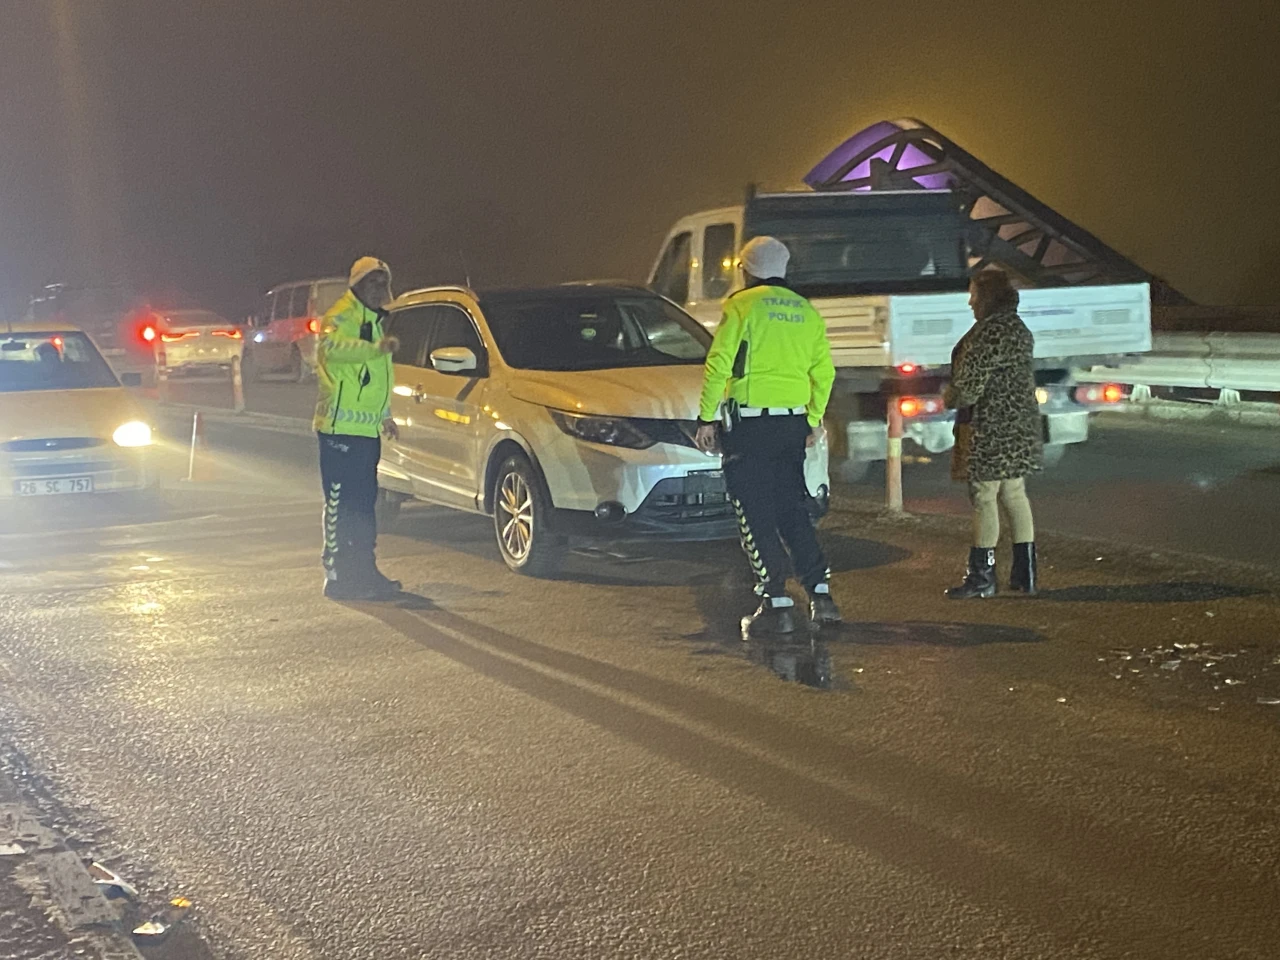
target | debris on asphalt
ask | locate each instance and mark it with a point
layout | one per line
(1171, 665)
(112, 885)
(1269, 701)
(161, 923)
(1233, 682)
(11, 850)
(1062, 699)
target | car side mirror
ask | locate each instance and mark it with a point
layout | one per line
(454, 360)
(131, 379)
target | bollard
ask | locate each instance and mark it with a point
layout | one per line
(162, 379)
(237, 385)
(893, 460)
(198, 467)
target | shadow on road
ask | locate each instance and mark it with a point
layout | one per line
(1176, 591)
(933, 634)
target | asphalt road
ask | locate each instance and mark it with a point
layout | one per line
(598, 767)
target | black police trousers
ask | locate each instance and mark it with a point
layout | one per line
(349, 473)
(764, 471)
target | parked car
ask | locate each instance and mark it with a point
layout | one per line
(285, 328)
(191, 340)
(67, 425)
(561, 412)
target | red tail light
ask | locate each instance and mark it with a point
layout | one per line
(148, 334)
(313, 326)
(231, 334)
(907, 369)
(920, 406)
(57, 343)
(174, 337)
(1100, 393)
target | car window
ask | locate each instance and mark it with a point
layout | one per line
(671, 279)
(593, 331)
(264, 312)
(452, 327)
(52, 361)
(718, 254)
(301, 301)
(411, 327)
(283, 296)
(327, 294)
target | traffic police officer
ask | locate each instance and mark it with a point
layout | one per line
(353, 413)
(767, 382)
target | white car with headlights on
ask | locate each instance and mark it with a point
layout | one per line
(67, 425)
(564, 412)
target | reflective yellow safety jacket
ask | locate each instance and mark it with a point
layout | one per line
(770, 350)
(355, 377)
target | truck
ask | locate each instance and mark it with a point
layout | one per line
(889, 272)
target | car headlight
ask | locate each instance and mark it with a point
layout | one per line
(610, 431)
(135, 433)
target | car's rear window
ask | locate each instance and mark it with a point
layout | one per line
(51, 361)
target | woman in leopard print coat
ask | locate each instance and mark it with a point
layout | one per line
(999, 439)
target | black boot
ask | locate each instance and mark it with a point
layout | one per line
(1023, 577)
(980, 582)
(822, 609)
(774, 617)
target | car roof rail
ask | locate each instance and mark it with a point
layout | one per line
(439, 288)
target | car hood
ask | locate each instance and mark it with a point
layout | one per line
(658, 393)
(38, 414)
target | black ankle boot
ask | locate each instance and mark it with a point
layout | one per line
(1023, 577)
(774, 617)
(980, 581)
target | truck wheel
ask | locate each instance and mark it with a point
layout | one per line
(521, 520)
(386, 510)
(1053, 454)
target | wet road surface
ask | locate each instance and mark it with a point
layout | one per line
(596, 766)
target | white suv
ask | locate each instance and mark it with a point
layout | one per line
(561, 412)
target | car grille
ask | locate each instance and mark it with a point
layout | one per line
(52, 444)
(693, 499)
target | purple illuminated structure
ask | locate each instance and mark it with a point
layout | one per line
(1008, 226)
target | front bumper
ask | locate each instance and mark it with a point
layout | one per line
(106, 467)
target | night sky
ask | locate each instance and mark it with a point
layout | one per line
(220, 146)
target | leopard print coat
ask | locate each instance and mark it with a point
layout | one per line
(993, 389)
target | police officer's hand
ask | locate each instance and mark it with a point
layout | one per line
(706, 438)
(390, 430)
(811, 441)
(388, 345)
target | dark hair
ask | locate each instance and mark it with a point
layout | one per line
(995, 292)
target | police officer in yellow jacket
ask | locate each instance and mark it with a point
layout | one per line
(353, 413)
(765, 390)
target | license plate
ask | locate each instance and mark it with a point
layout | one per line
(53, 488)
(704, 482)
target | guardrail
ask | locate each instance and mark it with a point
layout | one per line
(1205, 349)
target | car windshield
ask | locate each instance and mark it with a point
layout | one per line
(593, 331)
(51, 361)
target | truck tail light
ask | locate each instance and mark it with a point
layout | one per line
(920, 406)
(1100, 393)
(907, 369)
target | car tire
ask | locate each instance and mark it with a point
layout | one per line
(521, 520)
(386, 510)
